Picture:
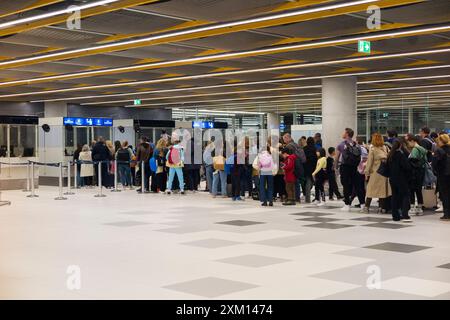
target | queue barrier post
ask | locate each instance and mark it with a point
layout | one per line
(28, 179)
(33, 191)
(4, 202)
(142, 177)
(100, 183)
(69, 191)
(75, 174)
(115, 178)
(60, 196)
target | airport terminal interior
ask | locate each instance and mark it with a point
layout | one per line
(225, 149)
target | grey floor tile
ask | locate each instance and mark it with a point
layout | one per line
(372, 219)
(312, 214)
(445, 266)
(253, 260)
(126, 223)
(325, 225)
(397, 247)
(319, 219)
(211, 243)
(240, 223)
(364, 293)
(285, 242)
(385, 225)
(211, 287)
(324, 207)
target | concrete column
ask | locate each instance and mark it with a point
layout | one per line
(273, 121)
(55, 109)
(338, 108)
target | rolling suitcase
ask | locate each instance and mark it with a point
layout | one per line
(429, 198)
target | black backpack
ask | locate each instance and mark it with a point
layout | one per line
(123, 155)
(351, 156)
(298, 168)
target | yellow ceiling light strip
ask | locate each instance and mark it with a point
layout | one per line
(213, 30)
(113, 6)
(36, 4)
(181, 26)
(272, 68)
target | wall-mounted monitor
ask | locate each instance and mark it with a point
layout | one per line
(96, 122)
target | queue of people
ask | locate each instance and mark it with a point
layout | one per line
(396, 171)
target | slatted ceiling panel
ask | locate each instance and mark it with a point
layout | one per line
(425, 12)
(330, 53)
(412, 43)
(164, 52)
(14, 50)
(100, 60)
(55, 37)
(235, 41)
(127, 22)
(49, 67)
(212, 10)
(9, 6)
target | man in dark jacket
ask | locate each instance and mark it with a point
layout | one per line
(427, 142)
(100, 152)
(143, 155)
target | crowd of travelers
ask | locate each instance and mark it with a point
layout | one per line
(404, 174)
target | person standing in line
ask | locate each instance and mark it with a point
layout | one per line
(399, 175)
(302, 142)
(175, 163)
(191, 170)
(123, 158)
(441, 165)
(289, 175)
(348, 157)
(359, 190)
(160, 157)
(418, 158)
(320, 176)
(208, 162)
(392, 136)
(86, 169)
(377, 185)
(309, 166)
(333, 188)
(427, 142)
(101, 153)
(144, 152)
(76, 157)
(236, 171)
(318, 140)
(300, 154)
(266, 167)
(219, 176)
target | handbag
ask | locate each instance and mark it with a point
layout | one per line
(383, 169)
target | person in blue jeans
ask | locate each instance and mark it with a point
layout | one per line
(219, 176)
(123, 157)
(175, 163)
(265, 165)
(209, 169)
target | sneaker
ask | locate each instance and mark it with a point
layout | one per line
(419, 211)
(270, 204)
(182, 192)
(445, 218)
(412, 210)
(330, 198)
(169, 191)
(320, 204)
(264, 204)
(364, 210)
(439, 209)
(346, 208)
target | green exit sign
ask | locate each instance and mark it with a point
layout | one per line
(364, 46)
(137, 102)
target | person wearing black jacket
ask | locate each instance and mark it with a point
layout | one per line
(400, 172)
(309, 166)
(100, 152)
(143, 155)
(76, 157)
(426, 142)
(441, 165)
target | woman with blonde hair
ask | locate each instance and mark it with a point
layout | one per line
(377, 186)
(86, 170)
(441, 165)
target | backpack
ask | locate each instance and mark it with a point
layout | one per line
(174, 156)
(123, 155)
(298, 168)
(351, 156)
(153, 164)
(265, 161)
(429, 178)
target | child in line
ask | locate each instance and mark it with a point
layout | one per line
(333, 188)
(289, 175)
(320, 176)
(175, 163)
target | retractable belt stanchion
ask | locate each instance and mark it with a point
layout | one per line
(32, 194)
(115, 178)
(28, 179)
(4, 202)
(69, 192)
(75, 174)
(100, 183)
(61, 197)
(142, 177)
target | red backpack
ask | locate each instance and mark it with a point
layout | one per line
(174, 156)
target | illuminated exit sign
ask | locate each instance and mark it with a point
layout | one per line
(137, 102)
(364, 46)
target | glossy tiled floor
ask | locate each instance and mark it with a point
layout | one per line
(156, 246)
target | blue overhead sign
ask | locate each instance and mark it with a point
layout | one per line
(97, 122)
(203, 124)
